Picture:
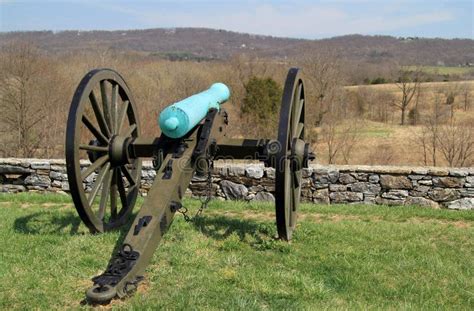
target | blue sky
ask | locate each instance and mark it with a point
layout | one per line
(298, 18)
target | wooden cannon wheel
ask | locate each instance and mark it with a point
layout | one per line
(97, 129)
(291, 154)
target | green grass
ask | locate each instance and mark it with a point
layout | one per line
(356, 257)
(378, 132)
(442, 70)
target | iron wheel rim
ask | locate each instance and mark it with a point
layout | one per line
(109, 177)
(287, 177)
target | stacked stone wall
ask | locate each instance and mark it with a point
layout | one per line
(388, 185)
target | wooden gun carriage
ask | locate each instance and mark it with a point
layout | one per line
(104, 128)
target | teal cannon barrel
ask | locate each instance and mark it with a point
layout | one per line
(178, 119)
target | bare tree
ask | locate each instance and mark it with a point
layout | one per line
(244, 67)
(20, 64)
(371, 103)
(428, 138)
(34, 99)
(340, 138)
(415, 111)
(350, 137)
(421, 140)
(325, 84)
(456, 143)
(466, 93)
(450, 92)
(381, 154)
(408, 83)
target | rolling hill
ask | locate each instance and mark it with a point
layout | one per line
(208, 44)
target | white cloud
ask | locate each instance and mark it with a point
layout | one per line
(380, 24)
(284, 19)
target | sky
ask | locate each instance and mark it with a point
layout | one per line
(282, 18)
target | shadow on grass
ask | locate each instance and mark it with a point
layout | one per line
(47, 223)
(122, 231)
(59, 224)
(221, 227)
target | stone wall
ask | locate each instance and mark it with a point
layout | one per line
(428, 186)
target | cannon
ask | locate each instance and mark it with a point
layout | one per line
(103, 128)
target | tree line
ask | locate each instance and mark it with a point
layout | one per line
(36, 88)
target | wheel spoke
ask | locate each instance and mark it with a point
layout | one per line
(105, 194)
(113, 120)
(105, 104)
(298, 92)
(297, 116)
(127, 175)
(299, 130)
(98, 115)
(123, 114)
(295, 180)
(98, 182)
(292, 206)
(94, 148)
(297, 185)
(94, 130)
(113, 196)
(121, 190)
(296, 194)
(129, 132)
(296, 97)
(99, 162)
(288, 192)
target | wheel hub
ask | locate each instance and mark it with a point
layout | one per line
(297, 154)
(308, 155)
(118, 150)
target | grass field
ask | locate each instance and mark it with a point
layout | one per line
(362, 257)
(388, 142)
(427, 87)
(442, 70)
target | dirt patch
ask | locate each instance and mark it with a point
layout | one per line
(248, 214)
(333, 218)
(46, 205)
(461, 224)
(144, 286)
(30, 205)
(456, 223)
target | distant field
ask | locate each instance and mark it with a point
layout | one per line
(442, 70)
(382, 144)
(426, 86)
(390, 143)
(342, 257)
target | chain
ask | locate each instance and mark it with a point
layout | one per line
(184, 210)
(131, 286)
(208, 196)
(205, 198)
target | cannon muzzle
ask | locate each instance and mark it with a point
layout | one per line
(178, 119)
